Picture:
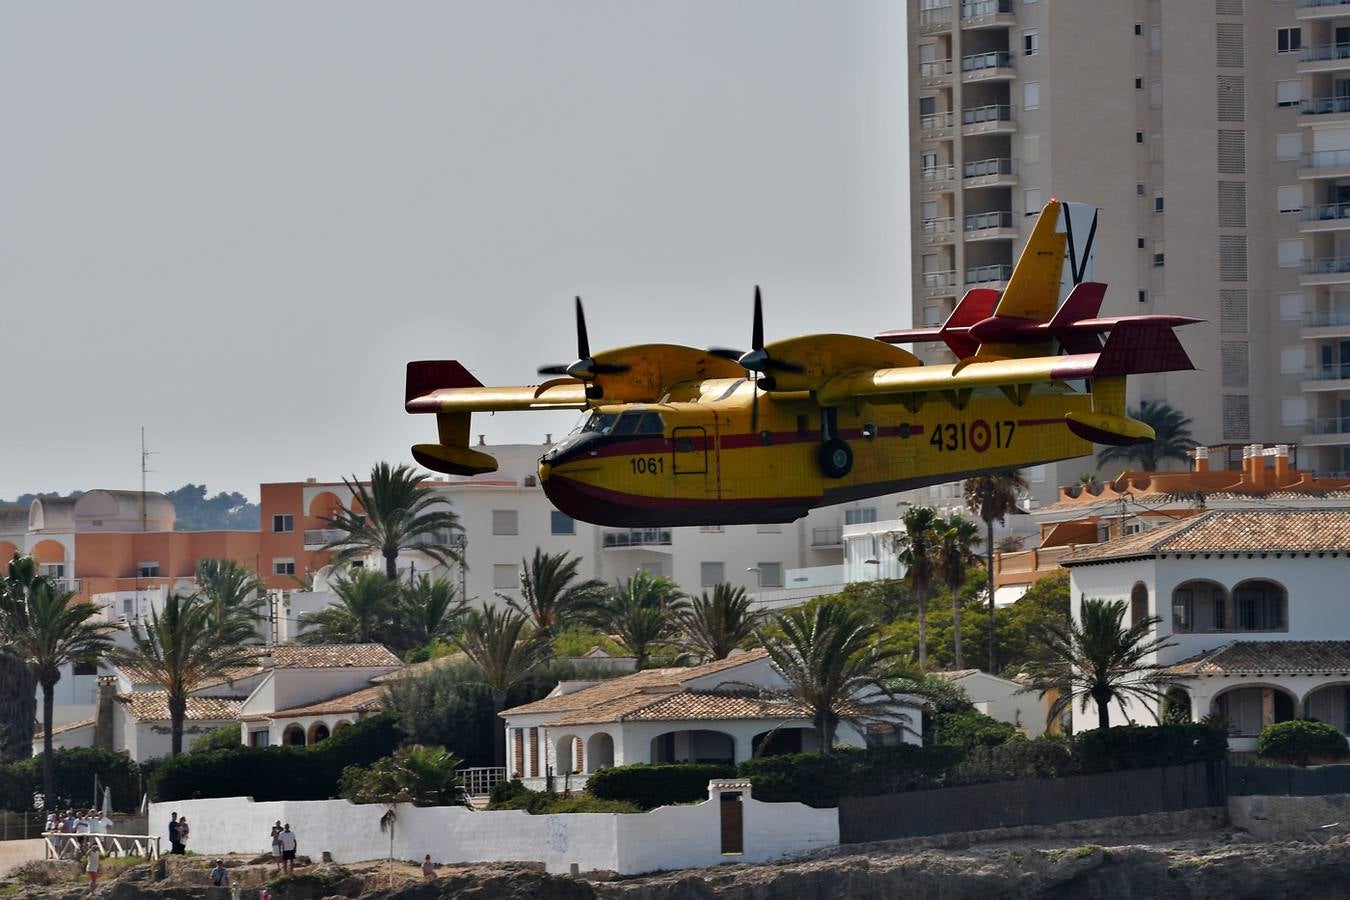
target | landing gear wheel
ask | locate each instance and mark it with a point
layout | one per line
(836, 458)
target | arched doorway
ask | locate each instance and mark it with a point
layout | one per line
(1259, 605)
(693, 745)
(1138, 603)
(599, 752)
(1250, 708)
(568, 755)
(1200, 605)
(1330, 704)
(782, 741)
(318, 732)
(293, 736)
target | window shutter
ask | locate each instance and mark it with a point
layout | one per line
(1232, 98)
(1232, 152)
(1229, 50)
(1232, 257)
(1233, 311)
(1232, 204)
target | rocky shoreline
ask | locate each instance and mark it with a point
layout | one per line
(1216, 866)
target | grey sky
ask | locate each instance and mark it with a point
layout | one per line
(235, 222)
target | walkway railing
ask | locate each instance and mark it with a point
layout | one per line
(480, 781)
(60, 844)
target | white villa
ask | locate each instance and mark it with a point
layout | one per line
(706, 713)
(1253, 604)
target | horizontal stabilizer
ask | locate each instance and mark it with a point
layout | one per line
(1139, 347)
(1103, 428)
(1084, 302)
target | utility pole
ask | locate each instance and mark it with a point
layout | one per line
(145, 470)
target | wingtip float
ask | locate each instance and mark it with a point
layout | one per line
(677, 435)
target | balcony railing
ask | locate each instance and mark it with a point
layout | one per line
(1302, 4)
(987, 220)
(1331, 265)
(1321, 106)
(1329, 373)
(980, 114)
(982, 167)
(986, 274)
(1326, 159)
(1326, 212)
(1326, 319)
(935, 227)
(934, 121)
(1325, 52)
(637, 537)
(996, 59)
(977, 8)
(318, 537)
(938, 173)
(68, 584)
(827, 537)
(937, 16)
(1334, 425)
(939, 279)
(935, 68)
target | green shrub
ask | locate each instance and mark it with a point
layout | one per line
(1012, 761)
(1147, 746)
(821, 781)
(970, 728)
(223, 738)
(1300, 740)
(276, 773)
(514, 795)
(73, 772)
(503, 793)
(651, 786)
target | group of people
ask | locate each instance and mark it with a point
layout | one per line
(284, 845)
(77, 824)
(178, 834)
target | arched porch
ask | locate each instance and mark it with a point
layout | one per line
(599, 752)
(693, 745)
(1248, 708)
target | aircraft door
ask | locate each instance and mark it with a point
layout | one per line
(689, 451)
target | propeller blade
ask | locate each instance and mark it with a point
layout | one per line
(726, 353)
(781, 365)
(610, 368)
(553, 370)
(583, 345)
(754, 406)
(757, 330)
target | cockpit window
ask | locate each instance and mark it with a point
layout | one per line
(601, 423)
(628, 423)
(651, 424)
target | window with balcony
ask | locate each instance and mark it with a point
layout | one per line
(561, 522)
(505, 576)
(1288, 40)
(147, 569)
(505, 521)
(1259, 605)
(770, 574)
(712, 574)
(1204, 606)
(53, 570)
(283, 523)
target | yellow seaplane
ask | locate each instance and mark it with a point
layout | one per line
(681, 436)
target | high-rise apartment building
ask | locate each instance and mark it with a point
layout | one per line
(1214, 135)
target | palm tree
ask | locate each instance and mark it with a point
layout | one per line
(41, 625)
(916, 550)
(505, 648)
(991, 498)
(717, 624)
(230, 587)
(18, 687)
(834, 665)
(643, 613)
(552, 595)
(1172, 438)
(185, 645)
(956, 535)
(426, 611)
(363, 613)
(398, 511)
(1098, 659)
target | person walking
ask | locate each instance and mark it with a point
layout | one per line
(182, 834)
(174, 846)
(91, 867)
(276, 844)
(288, 847)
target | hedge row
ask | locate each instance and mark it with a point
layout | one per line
(73, 772)
(276, 773)
(1300, 741)
(651, 786)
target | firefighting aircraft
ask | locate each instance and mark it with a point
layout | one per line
(680, 436)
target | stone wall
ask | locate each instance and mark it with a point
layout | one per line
(1274, 818)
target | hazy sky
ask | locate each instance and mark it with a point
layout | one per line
(235, 222)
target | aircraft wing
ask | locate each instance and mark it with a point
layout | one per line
(562, 393)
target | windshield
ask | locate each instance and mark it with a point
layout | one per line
(601, 423)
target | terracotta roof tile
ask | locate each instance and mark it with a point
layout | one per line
(1268, 658)
(684, 706)
(1231, 531)
(141, 676)
(62, 729)
(153, 706)
(365, 700)
(333, 656)
(627, 685)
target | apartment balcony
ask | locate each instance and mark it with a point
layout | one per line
(935, 73)
(827, 537)
(935, 21)
(1327, 432)
(1311, 10)
(1324, 164)
(938, 284)
(317, 538)
(989, 276)
(938, 231)
(985, 173)
(997, 65)
(1327, 378)
(1324, 58)
(990, 226)
(936, 126)
(629, 538)
(1324, 111)
(1325, 325)
(1325, 217)
(994, 119)
(1328, 270)
(937, 179)
(987, 14)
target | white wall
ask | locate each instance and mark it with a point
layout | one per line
(668, 838)
(998, 698)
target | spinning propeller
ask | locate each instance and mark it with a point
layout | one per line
(585, 368)
(757, 361)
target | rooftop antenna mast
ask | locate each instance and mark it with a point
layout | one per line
(145, 470)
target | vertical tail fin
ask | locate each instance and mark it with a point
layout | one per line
(1033, 289)
(1084, 302)
(976, 305)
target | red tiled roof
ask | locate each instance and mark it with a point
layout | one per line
(153, 706)
(365, 700)
(1231, 531)
(1268, 658)
(333, 656)
(684, 706)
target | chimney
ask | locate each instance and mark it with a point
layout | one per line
(482, 440)
(106, 693)
(548, 438)
(311, 480)
(1283, 476)
(1201, 459)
